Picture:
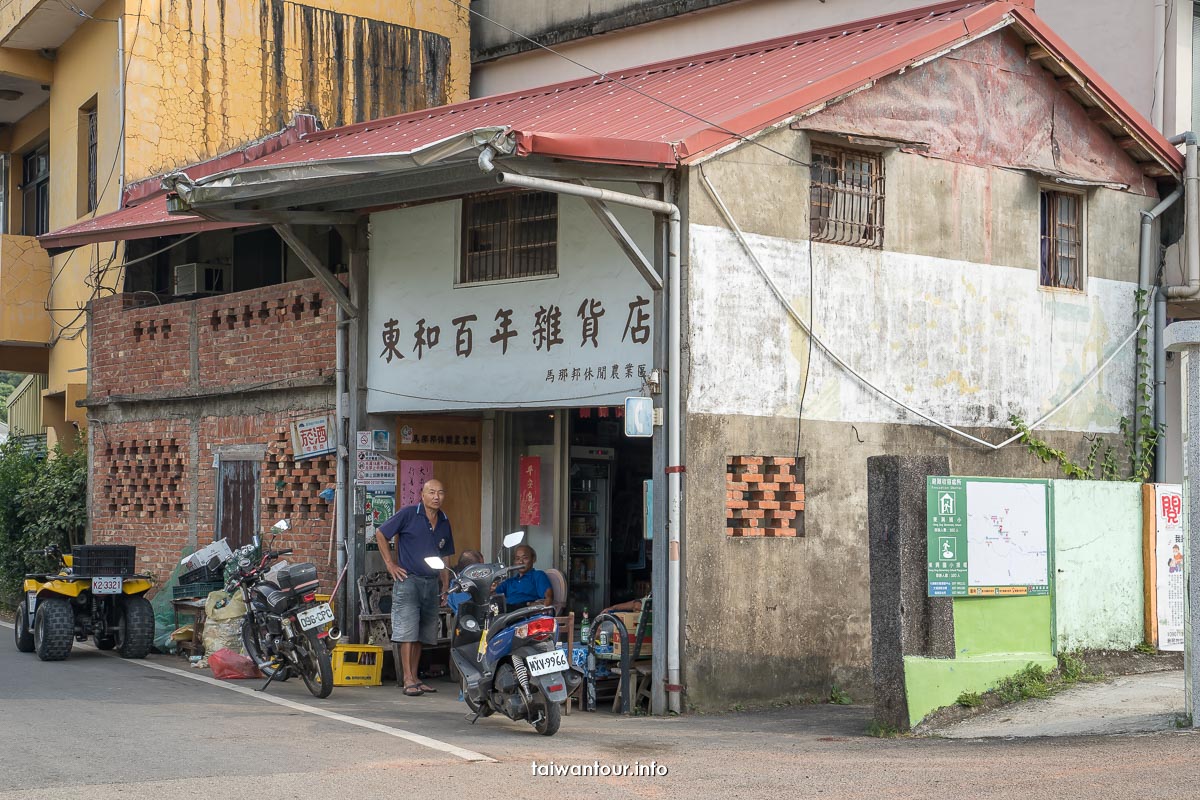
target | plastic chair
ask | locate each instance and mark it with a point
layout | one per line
(558, 589)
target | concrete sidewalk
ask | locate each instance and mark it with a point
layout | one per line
(1151, 701)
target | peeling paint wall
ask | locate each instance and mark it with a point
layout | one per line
(207, 77)
(949, 317)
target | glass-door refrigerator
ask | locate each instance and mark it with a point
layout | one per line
(588, 523)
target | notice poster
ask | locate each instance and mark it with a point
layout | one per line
(381, 506)
(1168, 563)
(413, 475)
(531, 490)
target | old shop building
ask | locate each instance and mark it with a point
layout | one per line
(949, 198)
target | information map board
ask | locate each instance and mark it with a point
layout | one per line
(987, 537)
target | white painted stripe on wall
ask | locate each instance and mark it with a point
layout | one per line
(967, 343)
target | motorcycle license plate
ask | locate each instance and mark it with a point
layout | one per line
(106, 585)
(315, 617)
(541, 663)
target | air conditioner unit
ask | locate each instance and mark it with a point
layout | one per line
(200, 279)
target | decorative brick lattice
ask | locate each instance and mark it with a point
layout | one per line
(289, 487)
(764, 496)
(144, 477)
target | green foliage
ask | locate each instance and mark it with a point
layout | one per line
(838, 696)
(1146, 648)
(1183, 720)
(1072, 669)
(970, 700)
(8, 382)
(43, 501)
(881, 730)
(1139, 436)
(1029, 682)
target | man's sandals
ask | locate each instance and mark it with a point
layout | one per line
(418, 689)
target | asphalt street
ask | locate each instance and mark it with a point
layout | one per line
(100, 727)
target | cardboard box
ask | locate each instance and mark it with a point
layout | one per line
(219, 550)
(646, 650)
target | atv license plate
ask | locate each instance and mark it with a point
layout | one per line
(315, 617)
(106, 585)
(540, 664)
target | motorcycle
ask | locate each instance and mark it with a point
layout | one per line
(508, 660)
(284, 625)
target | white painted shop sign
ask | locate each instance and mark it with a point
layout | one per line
(313, 437)
(582, 337)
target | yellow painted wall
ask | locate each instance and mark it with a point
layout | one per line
(86, 66)
(207, 77)
(204, 78)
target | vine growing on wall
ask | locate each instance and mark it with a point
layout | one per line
(1140, 439)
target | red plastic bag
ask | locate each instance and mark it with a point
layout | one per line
(228, 665)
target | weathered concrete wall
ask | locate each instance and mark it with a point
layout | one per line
(768, 618)
(1098, 574)
(207, 77)
(948, 317)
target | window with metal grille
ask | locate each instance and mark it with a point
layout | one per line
(846, 197)
(89, 120)
(1062, 240)
(509, 235)
(35, 191)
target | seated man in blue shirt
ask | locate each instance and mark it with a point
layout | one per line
(529, 586)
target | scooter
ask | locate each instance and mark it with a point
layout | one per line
(508, 660)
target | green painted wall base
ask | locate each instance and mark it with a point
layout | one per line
(935, 682)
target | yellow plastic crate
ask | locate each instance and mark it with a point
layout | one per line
(357, 665)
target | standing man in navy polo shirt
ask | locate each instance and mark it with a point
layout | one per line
(420, 531)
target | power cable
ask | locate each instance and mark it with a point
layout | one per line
(737, 231)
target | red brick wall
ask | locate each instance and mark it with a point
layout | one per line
(264, 335)
(764, 496)
(141, 474)
(142, 479)
(246, 338)
(138, 348)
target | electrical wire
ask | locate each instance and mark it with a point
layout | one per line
(737, 231)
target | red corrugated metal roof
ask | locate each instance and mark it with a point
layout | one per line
(678, 111)
(683, 110)
(145, 220)
(145, 213)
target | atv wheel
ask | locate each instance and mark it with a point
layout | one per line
(53, 629)
(23, 635)
(135, 631)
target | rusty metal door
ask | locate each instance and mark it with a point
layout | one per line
(237, 502)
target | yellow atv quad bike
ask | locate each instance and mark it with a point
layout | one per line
(94, 593)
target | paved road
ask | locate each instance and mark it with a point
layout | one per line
(99, 727)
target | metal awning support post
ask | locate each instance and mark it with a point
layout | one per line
(319, 270)
(674, 423)
(347, 315)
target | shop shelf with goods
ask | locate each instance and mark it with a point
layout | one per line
(588, 527)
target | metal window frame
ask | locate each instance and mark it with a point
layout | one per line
(496, 264)
(1052, 241)
(93, 169)
(846, 204)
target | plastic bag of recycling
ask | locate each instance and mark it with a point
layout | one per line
(228, 665)
(165, 621)
(223, 623)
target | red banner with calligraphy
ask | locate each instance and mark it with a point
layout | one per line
(531, 490)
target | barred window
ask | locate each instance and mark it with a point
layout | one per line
(509, 235)
(1062, 240)
(846, 197)
(92, 165)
